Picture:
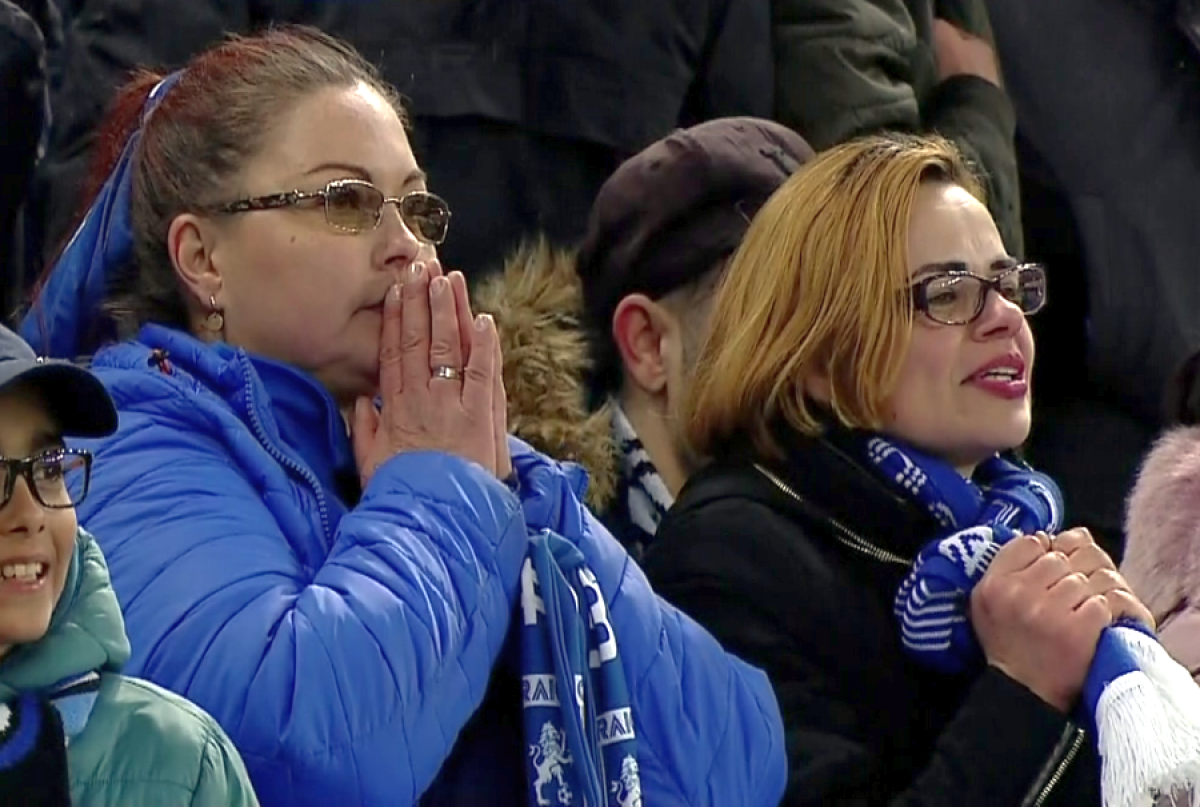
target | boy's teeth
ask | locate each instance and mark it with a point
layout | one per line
(22, 571)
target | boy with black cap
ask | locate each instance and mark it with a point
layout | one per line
(659, 235)
(72, 730)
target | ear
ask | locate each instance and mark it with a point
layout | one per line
(638, 327)
(191, 244)
(817, 385)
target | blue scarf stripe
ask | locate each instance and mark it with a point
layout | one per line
(578, 716)
(20, 725)
(21, 719)
(931, 607)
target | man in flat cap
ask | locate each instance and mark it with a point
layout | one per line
(660, 233)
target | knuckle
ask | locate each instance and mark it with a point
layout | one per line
(999, 594)
(477, 374)
(390, 355)
(441, 346)
(411, 340)
(415, 290)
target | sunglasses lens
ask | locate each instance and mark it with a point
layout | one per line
(428, 216)
(352, 206)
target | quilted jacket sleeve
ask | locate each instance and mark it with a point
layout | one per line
(223, 781)
(342, 684)
(709, 728)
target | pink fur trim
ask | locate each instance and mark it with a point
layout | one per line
(1162, 527)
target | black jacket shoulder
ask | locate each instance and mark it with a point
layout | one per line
(791, 571)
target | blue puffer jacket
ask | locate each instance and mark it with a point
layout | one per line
(344, 650)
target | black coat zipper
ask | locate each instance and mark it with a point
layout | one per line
(843, 534)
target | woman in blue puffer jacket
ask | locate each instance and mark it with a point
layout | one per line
(382, 604)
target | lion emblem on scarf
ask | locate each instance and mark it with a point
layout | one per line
(628, 789)
(549, 756)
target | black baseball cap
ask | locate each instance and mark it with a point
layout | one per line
(78, 402)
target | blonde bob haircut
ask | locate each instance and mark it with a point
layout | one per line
(818, 286)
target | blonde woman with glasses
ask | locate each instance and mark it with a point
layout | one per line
(865, 382)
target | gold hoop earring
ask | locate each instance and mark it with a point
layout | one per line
(215, 321)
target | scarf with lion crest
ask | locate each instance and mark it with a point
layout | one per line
(578, 718)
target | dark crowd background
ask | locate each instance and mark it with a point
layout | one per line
(521, 110)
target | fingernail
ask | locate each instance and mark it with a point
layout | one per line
(394, 293)
(438, 286)
(415, 270)
(482, 321)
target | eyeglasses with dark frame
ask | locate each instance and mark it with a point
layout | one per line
(356, 206)
(959, 298)
(46, 476)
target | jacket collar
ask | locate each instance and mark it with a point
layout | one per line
(829, 475)
(86, 633)
(291, 407)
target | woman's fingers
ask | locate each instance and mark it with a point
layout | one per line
(1072, 540)
(1089, 560)
(414, 334)
(363, 428)
(391, 363)
(445, 347)
(478, 384)
(500, 414)
(462, 305)
(1126, 606)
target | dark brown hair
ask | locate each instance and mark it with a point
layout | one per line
(217, 117)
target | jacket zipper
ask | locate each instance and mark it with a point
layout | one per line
(842, 533)
(1065, 752)
(261, 433)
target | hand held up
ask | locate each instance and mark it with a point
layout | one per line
(439, 378)
(1038, 620)
(961, 54)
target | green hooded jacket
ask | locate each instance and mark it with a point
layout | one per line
(142, 746)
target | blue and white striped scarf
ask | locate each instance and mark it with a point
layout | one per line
(1144, 706)
(578, 717)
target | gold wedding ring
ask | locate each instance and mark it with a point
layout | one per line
(447, 372)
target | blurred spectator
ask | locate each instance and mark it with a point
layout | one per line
(1162, 553)
(866, 371)
(660, 232)
(386, 614)
(851, 67)
(622, 322)
(522, 108)
(72, 730)
(1108, 95)
(22, 114)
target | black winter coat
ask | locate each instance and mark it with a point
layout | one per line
(794, 567)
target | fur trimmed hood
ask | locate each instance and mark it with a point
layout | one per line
(1162, 549)
(537, 302)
